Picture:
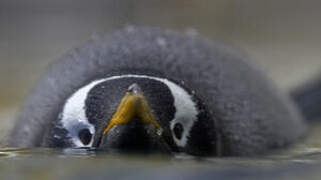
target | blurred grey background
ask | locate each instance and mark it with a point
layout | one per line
(283, 36)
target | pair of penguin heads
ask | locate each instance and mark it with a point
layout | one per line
(151, 90)
(134, 113)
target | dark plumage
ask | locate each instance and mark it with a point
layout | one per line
(308, 97)
(250, 115)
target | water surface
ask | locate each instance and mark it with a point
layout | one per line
(300, 161)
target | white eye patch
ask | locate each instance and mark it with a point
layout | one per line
(74, 119)
(186, 113)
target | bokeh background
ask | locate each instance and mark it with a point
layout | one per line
(283, 36)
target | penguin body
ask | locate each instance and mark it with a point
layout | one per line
(308, 98)
(221, 103)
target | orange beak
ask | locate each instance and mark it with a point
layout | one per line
(132, 105)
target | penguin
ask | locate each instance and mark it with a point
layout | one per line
(147, 89)
(308, 98)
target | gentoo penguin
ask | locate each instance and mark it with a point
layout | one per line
(149, 90)
(308, 98)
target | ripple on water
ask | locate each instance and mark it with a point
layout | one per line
(90, 163)
(301, 160)
(7, 154)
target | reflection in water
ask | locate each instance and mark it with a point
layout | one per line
(86, 163)
(301, 161)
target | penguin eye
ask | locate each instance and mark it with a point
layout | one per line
(85, 136)
(178, 130)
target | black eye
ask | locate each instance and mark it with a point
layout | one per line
(84, 136)
(178, 130)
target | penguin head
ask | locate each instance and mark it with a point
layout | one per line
(134, 113)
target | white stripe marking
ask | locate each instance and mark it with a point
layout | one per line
(74, 116)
